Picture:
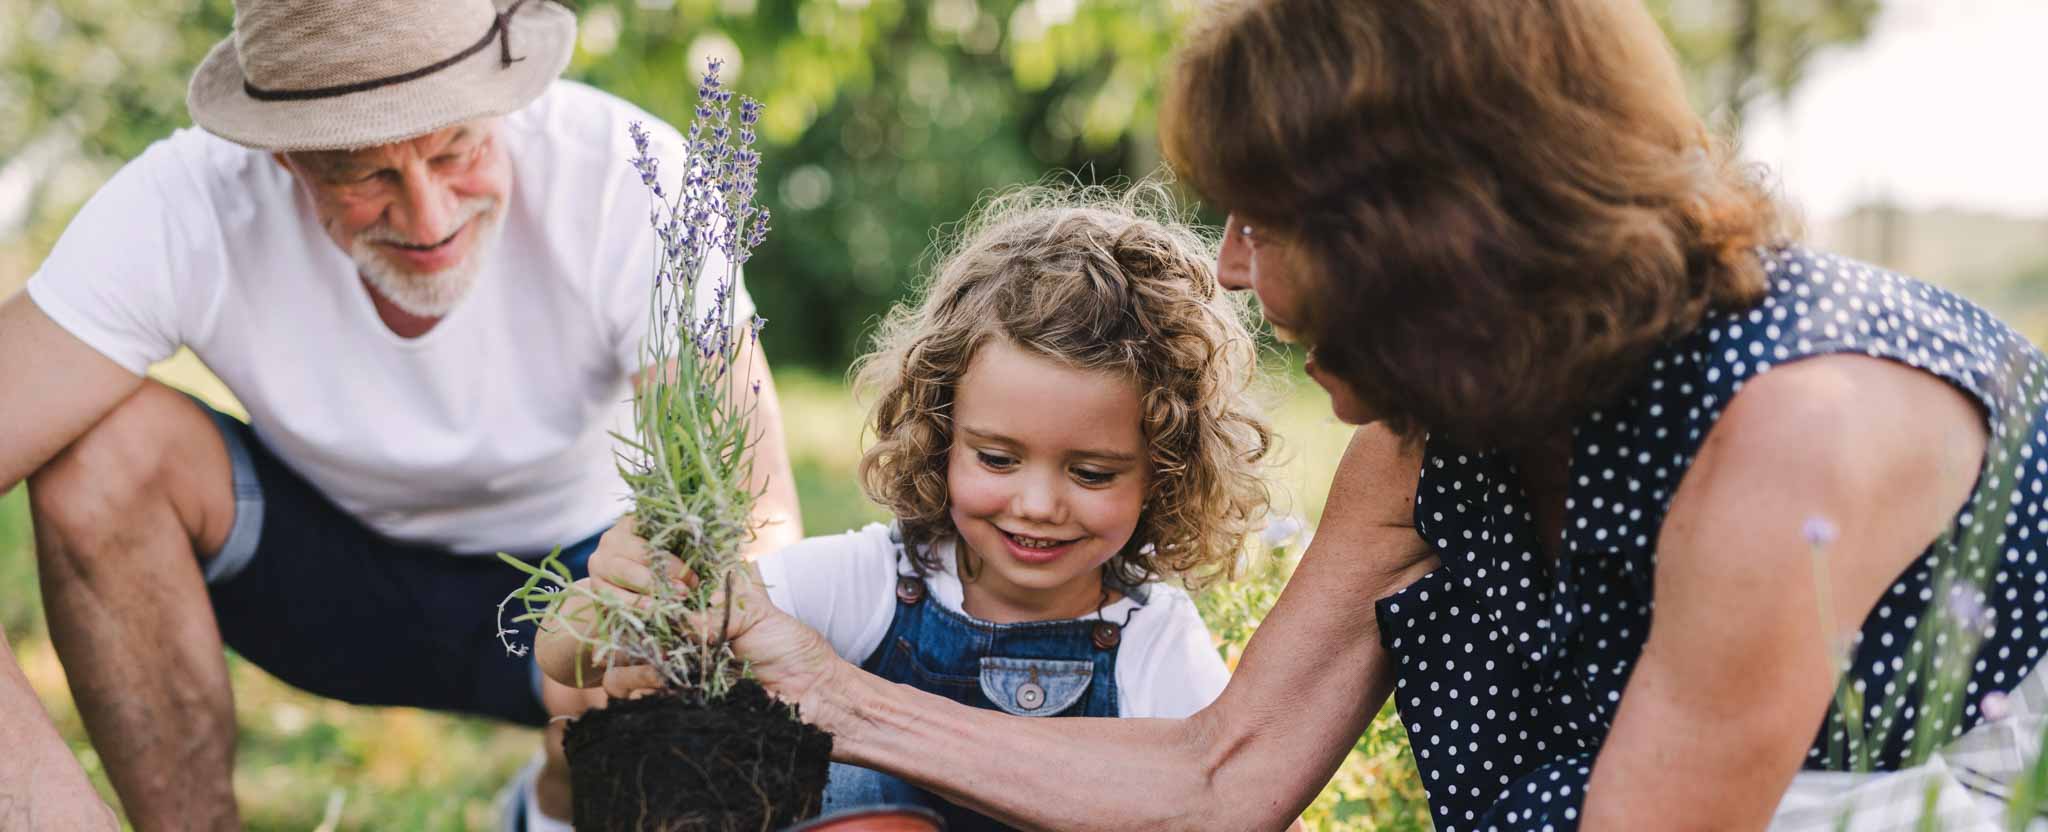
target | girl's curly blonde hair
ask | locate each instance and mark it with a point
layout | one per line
(1099, 280)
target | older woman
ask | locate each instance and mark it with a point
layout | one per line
(1516, 255)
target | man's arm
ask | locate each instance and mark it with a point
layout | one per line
(776, 510)
(1312, 677)
(41, 784)
(52, 388)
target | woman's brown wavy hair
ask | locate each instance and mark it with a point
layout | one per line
(1496, 208)
(1104, 282)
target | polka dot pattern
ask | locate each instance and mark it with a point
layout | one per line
(1509, 672)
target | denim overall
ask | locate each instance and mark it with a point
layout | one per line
(1029, 669)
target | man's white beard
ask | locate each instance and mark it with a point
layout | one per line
(431, 295)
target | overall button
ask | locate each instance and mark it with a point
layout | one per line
(1030, 696)
(909, 590)
(1035, 687)
(1106, 635)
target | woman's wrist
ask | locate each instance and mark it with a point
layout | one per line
(838, 701)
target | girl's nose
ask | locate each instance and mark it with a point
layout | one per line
(1037, 501)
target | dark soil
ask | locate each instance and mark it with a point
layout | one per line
(663, 764)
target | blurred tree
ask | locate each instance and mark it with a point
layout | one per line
(1734, 51)
(890, 119)
(886, 120)
(85, 84)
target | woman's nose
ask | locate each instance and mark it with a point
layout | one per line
(1234, 262)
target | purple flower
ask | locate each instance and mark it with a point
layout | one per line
(712, 210)
(1281, 531)
(1820, 532)
(1995, 706)
(1965, 606)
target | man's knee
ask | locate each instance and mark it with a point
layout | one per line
(155, 449)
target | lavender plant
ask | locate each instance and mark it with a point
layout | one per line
(1932, 702)
(689, 460)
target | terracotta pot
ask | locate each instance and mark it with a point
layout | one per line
(876, 819)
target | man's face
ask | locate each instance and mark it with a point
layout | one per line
(415, 214)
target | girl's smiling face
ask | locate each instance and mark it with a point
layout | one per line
(1046, 480)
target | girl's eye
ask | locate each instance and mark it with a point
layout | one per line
(994, 460)
(1088, 477)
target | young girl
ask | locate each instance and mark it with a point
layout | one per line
(1063, 420)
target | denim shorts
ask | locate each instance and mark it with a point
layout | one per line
(322, 602)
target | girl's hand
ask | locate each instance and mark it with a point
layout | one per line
(560, 656)
(622, 565)
(787, 657)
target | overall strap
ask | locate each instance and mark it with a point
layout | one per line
(910, 589)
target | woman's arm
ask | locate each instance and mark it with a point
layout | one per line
(1312, 677)
(1737, 674)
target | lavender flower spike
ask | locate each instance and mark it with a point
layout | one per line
(1820, 532)
(688, 459)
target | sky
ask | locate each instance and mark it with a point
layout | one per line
(1944, 106)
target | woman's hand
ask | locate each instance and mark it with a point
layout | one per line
(788, 658)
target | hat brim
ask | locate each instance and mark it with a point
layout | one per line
(543, 36)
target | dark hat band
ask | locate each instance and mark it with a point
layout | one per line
(501, 30)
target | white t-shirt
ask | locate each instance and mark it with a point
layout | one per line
(491, 432)
(844, 586)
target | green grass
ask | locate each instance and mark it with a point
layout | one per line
(394, 768)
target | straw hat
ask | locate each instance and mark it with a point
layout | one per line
(334, 74)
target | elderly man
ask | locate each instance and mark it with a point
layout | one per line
(423, 264)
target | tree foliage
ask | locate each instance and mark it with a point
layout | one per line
(886, 119)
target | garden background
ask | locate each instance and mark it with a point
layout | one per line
(886, 119)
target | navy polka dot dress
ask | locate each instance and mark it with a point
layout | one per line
(1509, 671)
